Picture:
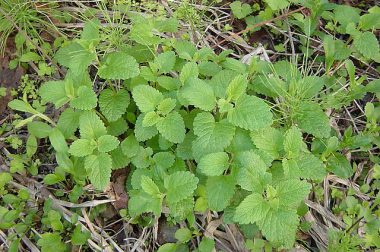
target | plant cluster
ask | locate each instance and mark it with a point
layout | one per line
(201, 131)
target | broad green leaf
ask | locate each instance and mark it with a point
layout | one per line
(146, 97)
(180, 185)
(143, 157)
(342, 11)
(166, 106)
(237, 87)
(219, 191)
(211, 136)
(213, 164)
(118, 65)
(39, 129)
(221, 81)
(118, 127)
(206, 245)
(144, 133)
(22, 106)
(340, 166)
(240, 10)
(142, 202)
(165, 61)
(80, 237)
(280, 226)
(250, 113)
(107, 143)
(164, 159)
(269, 140)
(150, 119)
(113, 105)
(305, 166)
(367, 44)
(183, 235)
(293, 142)
(190, 70)
(291, 192)
(51, 242)
(148, 185)
(82, 147)
(311, 118)
(119, 160)
(252, 175)
(68, 122)
(31, 146)
(172, 127)
(90, 126)
(199, 94)
(58, 141)
(277, 4)
(99, 169)
(252, 209)
(130, 146)
(54, 92)
(85, 100)
(75, 57)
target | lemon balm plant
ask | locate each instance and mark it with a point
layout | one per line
(192, 127)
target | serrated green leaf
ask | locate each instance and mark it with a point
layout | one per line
(237, 87)
(82, 147)
(75, 57)
(250, 113)
(146, 97)
(269, 140)
(68, 122)
(240, 10)
(252, 175)
(367, 44)
(164, 159)
(118, 65)
(166, 106)
(118, 127)
(99, 169)
(148, 185)
(252, 209)
(213, 164)
(183, 235)
(279, 227)
(293, 142)
(172, 127)
(311, 118)
(211, 136)
(144, 133)
(165, 61)
(130, 146)
(291, 192)
(142, 202)
(90, 126)
(340, 166)
(219, 191)
(107, 143)
(150, 119)
(199, 94)
(54, 92)
(277, 4)
(85, 100)
(190, 70)
(119, 160)
(305, 166)
(113, 105)
(180, 185)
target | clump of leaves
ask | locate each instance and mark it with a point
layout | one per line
(192, 127)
